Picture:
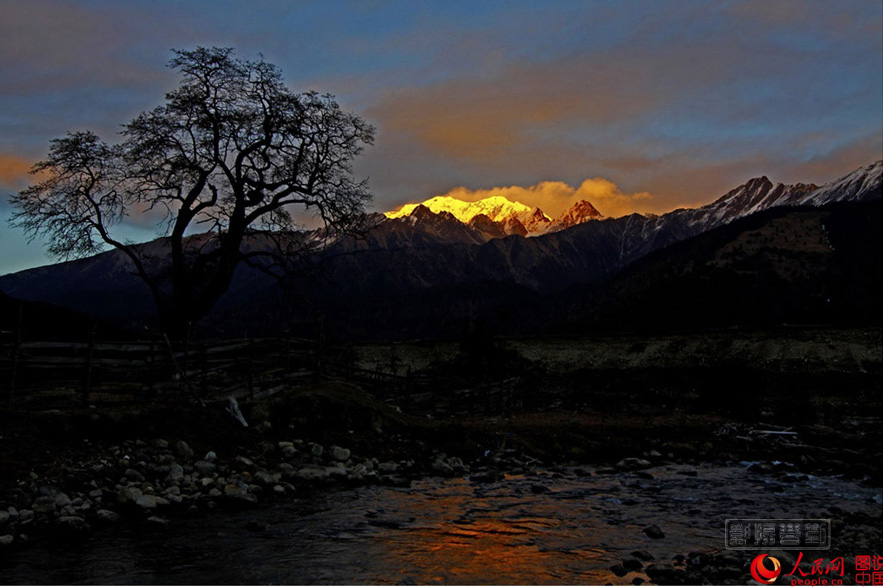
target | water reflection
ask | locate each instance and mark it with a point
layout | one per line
(548, 528)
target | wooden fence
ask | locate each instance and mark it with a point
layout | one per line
(123, 371)
(56, 374)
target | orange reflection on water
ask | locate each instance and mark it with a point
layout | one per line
(460, 538)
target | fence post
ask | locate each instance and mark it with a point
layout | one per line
(204, 385)
(16, 351)
(89, 356)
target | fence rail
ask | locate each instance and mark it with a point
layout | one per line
(56, 374)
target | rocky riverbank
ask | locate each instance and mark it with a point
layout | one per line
(66, 474)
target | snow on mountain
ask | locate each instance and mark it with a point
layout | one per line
(582, 211)
(498, 216)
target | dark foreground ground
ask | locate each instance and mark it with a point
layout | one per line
(623, 405)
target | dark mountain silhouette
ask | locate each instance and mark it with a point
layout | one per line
(430, 274)
(781, 266)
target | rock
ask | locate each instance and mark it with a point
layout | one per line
(665, 575)
(357, 473)
(107, 516)
(6, 540)
(210, 457)
(4, 518)
(633, 464)
(128, 495)
(632, 564)
(486, 477)
(175, 475)
(244, 461)
(340, 454)
(146, 502)
(643, 555)
(267, 478)
(653, 531)
(62, 500)
(619, 570)
(312, 473)
(440, 466)
(157, 521)
(387, 467)
(74, 524)
(204, 468)
(161, 444)
(239, 493)
(12, 511)
(316, 449)
(25, 516)
(183, 449)
(43, 505)
(337, 470)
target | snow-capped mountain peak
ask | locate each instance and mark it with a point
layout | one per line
(499, 216)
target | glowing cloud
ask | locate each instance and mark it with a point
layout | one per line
(554, 197)
(14, 171)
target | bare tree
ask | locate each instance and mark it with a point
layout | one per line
(224, 163)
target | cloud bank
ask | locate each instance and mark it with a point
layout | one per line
(554, 197)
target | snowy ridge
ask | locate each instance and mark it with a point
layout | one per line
(498, 214)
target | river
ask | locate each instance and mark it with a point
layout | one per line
(564, 527)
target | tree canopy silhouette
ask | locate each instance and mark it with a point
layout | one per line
(223, 164)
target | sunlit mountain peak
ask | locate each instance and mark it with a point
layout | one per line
(497, 208)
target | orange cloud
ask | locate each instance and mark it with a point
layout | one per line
(14, 171)
(554, 197)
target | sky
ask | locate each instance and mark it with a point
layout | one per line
(633, 105)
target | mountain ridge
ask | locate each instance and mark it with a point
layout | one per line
(401, 259)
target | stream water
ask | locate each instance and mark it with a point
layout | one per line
(549, 528)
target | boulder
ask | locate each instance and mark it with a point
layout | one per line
(340, 454)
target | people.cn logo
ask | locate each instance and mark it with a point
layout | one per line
(761, 573)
